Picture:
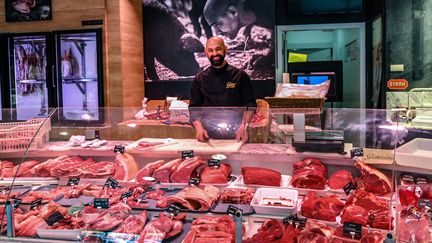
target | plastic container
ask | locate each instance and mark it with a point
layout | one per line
(263, 193)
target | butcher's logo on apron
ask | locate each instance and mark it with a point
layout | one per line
(230, 85)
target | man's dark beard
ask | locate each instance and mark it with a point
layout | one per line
(217, 63)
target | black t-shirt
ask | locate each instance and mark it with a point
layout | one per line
(225, 87)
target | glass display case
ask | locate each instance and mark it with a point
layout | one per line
(114, 183)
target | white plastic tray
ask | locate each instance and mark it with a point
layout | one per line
(276, 192)
(60, 234)
(284, 182)
(416, 153)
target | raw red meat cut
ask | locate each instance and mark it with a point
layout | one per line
(133, 224)
(373, 237)
(375, 181)
(407, 197)
(324, 208)
(148, 170)
(340, 178)
(23, 170)
(237, 195)
(163, 173)
(380, 219)
(309, 173)
(147, 144)
(70, 166)
(270, 231)
(160, 229)
(355, 214)
(6, 168)
(315, 232)
(127, 167)
(192, 198)
(111, 218)
(261, 176)
(212, 175)
(367, 200)
(155, 194)
(76, 191)
(290, 234)
(211, 228)
(185, 169)
(103, 169)
(411, 229)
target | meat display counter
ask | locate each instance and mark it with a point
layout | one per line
(107, 184)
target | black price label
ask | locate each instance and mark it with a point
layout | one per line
(54, 218)
(173, 209)
(352, 230)
(295, 220)
(425, 203)
(348, 188)
(35, 203)
(213, 163)
(97, 134)
(125, 195)
(119, 149)
(73, 181)
(194, 181)
(187, 154)
(357, 152)
(4, 188)
(234, 211)
(111, 182)
(17, 202)
(101, 203)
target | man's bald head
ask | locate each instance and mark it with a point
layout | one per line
(215, 50)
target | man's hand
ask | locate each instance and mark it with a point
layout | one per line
(241, 134)
(200, 133)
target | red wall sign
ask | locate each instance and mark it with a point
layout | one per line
(399, 84)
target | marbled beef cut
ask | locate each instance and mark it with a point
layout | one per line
(375, 181)
(309, 173)
(340, 178)
(261, 176)
(214, 175)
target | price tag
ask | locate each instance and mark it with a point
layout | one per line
(35, 203)
(173, 209)
(234, 211)
(194, 181)
(357, 152)
(348, 188)
(97, 134)
(187, 154)
(54, 218)
(352, 230)
(295, 220)
(119, 149)
(111, 182)
(101, 203)
(425, 203)
(73, 181)
(125, 195)
(17, 202)
(4, 188)
(213, 163)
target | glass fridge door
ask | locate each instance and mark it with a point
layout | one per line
(28, 73)
(79, 69)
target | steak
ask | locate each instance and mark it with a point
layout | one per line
(70, 167)
(355, 214)
(271, 230)
(148, 170)
(211, 228)
(375, 181)
(261, 176)
(324, 208)
(160, 228)
(373, 237)
(340, 178)
(163, 173)
(133, 224)
(367, 200)
(192, 198)
(309, 173)
(23, 170)
(184, 171)
(214, 175)
(237, 195)
(103, 169)
(111, 218)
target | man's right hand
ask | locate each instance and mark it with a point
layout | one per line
(200, 133)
